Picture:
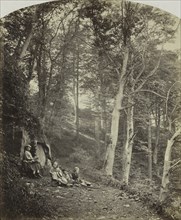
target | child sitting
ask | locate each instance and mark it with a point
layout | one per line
(76, 175)
(57, 175)
(76, 178)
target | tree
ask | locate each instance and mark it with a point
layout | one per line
(167, 166)
(138, 24)
(174, 128)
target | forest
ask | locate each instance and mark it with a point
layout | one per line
(97, 82)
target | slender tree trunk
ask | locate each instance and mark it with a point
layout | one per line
(102, 119)
(28, 38)
(166, 168)
(155, 152)
(97, 134)
(114, 133)
(76, 90)
(98, 121)
(129, 144)
(41, 72)
(41, 83)
(26, 44)
(149, 148)
(103, 113)
(75, 100)
(114, 136)
(115, 117)
(77, 96)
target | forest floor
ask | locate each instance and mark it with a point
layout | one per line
(91, 203)
(98, 202)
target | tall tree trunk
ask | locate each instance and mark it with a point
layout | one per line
(97, 134)
(76, 90)
(103, 113)
(26, 44)
(114, 133)
(129, 144)
(149, 148)
(115, 117)
(76, 100)
(77, 96)
(155, 152)
(28, 38)
(98, 121)
(166, 168)
(41, 71)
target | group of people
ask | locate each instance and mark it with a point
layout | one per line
(62, 177)
(59, 176)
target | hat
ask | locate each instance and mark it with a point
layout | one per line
(27, 146)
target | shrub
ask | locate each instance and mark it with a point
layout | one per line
(17, 201)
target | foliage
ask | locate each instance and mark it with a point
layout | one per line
(16, 197)
(86, 39)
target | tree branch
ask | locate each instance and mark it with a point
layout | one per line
(167, 98)
(151, 73)
(174, 165)
(150, 91)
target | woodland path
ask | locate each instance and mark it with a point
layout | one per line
(95, 203)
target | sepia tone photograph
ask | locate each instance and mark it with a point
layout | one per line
(90, 125)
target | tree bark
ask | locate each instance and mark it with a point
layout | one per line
(166, 168)
(26, 44)
(76, 91)
(116, 116)
(149, 148)
(77, 96)
(28, 38)
(114, 134)
(97, 134)
(41, 81)
(129, 144)
(155, 152)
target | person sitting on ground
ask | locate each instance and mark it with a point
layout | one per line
(57, 175)
(31, 163)
(76, 175)
(67, 175)
(76, 178)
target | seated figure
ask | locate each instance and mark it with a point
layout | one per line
(76, 175)
(58, 176)
(31, 163)
(76, 178)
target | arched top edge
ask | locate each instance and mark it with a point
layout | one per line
(171, 6)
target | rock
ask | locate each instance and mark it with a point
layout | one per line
(126, 205)
(105, 208)
(59, 197)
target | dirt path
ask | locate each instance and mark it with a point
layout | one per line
(96, 203)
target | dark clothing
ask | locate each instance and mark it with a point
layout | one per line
(75, 176)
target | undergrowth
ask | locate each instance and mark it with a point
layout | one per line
(17, 200)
